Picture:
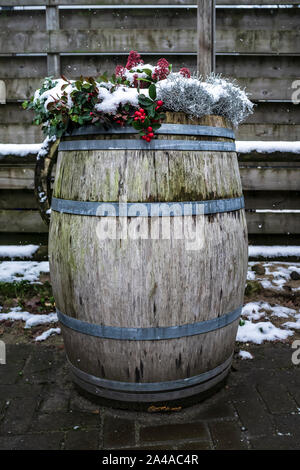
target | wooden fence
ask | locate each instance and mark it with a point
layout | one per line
(257, 44)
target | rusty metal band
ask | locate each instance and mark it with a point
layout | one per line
(131, 387)
(149, 333)
(165, 129)
(147, 209)
(135, 144)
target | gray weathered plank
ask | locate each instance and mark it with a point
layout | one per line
(159, 41)
(272, 223)
(206, 31)
(269, 179)
(258, 223)
(258, 88)
(253, 178)
(143, 2)
(22, 221)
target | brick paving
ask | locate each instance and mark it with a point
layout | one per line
(259, 408)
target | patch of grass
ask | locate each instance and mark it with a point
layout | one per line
(252, 288)
(35, 297)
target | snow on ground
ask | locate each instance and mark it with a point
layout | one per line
(17, 251)
(276, 276)
(245, 355)
(30, 319)
(11, 271)
(261, 331)
(293, 325)
(47, 333)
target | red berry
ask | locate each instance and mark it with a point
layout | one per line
(148, 139)
(141, 110)
(151, 134)
(144, 137)
(149, 129)
(91, 114)
(160, 103)
(136, 118)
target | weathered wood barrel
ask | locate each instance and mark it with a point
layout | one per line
(149, 312)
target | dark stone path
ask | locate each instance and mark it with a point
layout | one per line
(259, 408)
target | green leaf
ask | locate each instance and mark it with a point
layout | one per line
(141, 79)
(152, 91)
(137, 125)
(143, 100)
(148, 72)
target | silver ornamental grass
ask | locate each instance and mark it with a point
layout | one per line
(215, 95)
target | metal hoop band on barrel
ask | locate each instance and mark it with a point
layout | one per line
(151, 386)
(165, 129)
(156, 391)
(134, 144)
(147, 209)
(150, 333)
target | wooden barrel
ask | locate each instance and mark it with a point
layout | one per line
(149, 312)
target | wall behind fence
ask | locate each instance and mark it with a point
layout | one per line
(257, 42)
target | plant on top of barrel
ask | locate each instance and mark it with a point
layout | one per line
(137, 95)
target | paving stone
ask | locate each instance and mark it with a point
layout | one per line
(199, 445)
(291, 379)
(64, 420)
(13, 369)
(41, 366)
(156, 447)
(254, 417)
(118, 432)
(174, 432)
(211, 411)
(274, 442)
(20, 390)
(288, 425)
(82, 440)
(49, 441)
(56, 401)
(18, 416)
(227, 436)
(79, 403)
(276, 396)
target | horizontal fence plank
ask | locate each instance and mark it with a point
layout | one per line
(271, 223)
(265, 159)
(270, 121)
(17, 199)
(253, 179)
(170, 18)
(281, 159)
(140, 2)
(16, 178)
(242, 66)
(20, 134)
(273, 200)
(269, 179)
(268, 132)
(264, 113)
(30, 134)
(258, 223)
(151, 40)
(258, 88)
(22, 221)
